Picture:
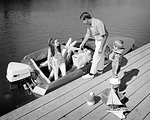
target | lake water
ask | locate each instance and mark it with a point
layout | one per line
(26, 25)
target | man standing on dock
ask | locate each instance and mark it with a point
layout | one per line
(97, 30)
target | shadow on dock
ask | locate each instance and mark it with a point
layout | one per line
(127, 77)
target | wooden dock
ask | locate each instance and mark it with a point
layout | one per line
(69, 101)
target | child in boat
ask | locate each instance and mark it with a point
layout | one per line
(116, 57)
(55, 58)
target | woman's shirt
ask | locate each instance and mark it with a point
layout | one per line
(58, 56)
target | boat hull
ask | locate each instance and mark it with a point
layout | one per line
(41, 56)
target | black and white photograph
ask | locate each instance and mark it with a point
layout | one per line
(74, 59)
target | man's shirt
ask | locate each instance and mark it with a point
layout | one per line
(97, 29)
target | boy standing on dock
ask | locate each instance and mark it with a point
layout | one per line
(116, 57)
(97, 30)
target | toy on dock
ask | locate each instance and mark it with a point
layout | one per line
(91, 99)
(114, 99)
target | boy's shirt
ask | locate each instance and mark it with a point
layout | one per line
(118, 54)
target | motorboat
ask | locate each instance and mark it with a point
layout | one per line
(34, 78)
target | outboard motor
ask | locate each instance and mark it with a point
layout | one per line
(17, 71)
(19, 74)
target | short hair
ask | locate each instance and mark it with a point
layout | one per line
(119, 44)
(85, 15)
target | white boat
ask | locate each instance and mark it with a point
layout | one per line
(35, 79)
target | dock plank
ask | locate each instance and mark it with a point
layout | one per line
(49, 108)
(76, 90)
(137, 51)
(147, 117)
(86, 112)
(141, 110)
(134, 100)
(67, 107)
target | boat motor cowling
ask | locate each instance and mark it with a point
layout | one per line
(17, 71)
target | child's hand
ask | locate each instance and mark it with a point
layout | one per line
(112, 56)
(114, 50)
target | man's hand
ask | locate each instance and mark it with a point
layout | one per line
(100, 51)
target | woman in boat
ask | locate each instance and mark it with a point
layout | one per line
(55, 58)
(116, 57)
